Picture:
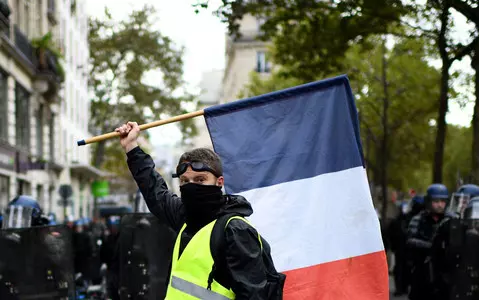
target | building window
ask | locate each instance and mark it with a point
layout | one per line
(26, 18)
(262, 64)
(22, 117)
(51, 6)
(52, 137)
(4, 191)
(3, 106)
(40, 131)
(23, 187)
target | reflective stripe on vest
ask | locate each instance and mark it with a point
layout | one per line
(190, 271)
(195, 290)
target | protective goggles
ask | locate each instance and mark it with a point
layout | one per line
(197, 166)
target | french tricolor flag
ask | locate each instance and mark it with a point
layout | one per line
(296, 155)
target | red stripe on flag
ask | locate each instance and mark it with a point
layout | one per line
(362, 277)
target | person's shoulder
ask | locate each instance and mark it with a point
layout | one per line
(238, 223)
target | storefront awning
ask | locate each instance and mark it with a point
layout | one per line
(88, 171)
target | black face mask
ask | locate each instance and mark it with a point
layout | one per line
(201, 202)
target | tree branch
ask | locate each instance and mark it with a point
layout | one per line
(415, 36)
(370, 132)
(442, 41)
(465, 50)
(417, 28)
(374, 108)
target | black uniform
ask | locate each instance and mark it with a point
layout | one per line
(36, 263)
(243, 248)
(421, 231)
(455, 260)
(109, 254)
(397, 233)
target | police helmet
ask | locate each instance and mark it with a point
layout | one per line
(471, 212)
(79, 222)
(23, 212)
(417, 199)
(437, 191)
(470, 189)
(52, 218)
(113, 220)
(461, 198)
(416, 204)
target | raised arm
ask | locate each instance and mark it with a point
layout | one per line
(160, 200)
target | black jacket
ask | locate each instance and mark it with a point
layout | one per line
(421, 231)
(243, 268)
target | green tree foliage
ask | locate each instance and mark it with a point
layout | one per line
(408, 85)
(258, 85)
(470, 10)
(123, 53)
(457, 162)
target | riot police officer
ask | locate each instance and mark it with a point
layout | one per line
(23, 212)
(35, 260)
(52, 218)
(421, 231)
(449, 243)
(110, 256)
(397, 233)
(82, 249)
(461, 198)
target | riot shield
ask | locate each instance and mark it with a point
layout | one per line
(146, 247)
(36, 263)
(465, 283)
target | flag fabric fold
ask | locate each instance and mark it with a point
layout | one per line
(296, 155)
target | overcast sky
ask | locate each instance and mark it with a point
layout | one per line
(203, 37)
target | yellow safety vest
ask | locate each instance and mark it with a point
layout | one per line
(189, 273)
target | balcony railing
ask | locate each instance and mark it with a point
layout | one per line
(51, 63)
(246, 36)
(24, 45)
(4, 25)
(4, 17)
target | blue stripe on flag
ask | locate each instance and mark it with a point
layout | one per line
(287, 135)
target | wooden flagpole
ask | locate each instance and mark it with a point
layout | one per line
(110, 135)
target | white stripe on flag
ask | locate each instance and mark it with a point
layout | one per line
(316, 220)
